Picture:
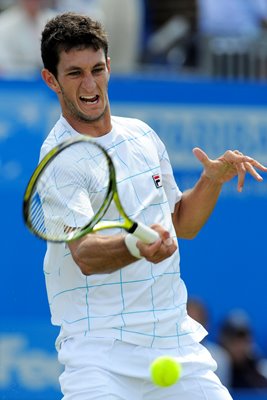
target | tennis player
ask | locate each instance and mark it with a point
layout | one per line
(121, 303)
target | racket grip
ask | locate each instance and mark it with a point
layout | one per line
(145, 234)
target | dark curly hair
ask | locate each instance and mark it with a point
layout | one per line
(67, 31)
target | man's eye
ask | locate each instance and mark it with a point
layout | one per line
(98, 70)
(74, 73)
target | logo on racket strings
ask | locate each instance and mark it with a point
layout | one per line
(157, 181)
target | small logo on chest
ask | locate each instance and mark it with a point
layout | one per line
(157, 181)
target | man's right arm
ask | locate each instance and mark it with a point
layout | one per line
(103, 254)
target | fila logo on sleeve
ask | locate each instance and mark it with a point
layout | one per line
(157, 181)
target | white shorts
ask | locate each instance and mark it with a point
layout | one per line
(107, 369)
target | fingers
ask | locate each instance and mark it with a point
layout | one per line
(232, 163)
(253, 172)
(200, 155)
(158, 251)
(257, 165)
(236, 157)
(244, 164)
(241, 173)
(239, 160)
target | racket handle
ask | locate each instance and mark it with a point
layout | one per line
(145, 234)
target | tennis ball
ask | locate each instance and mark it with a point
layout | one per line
(165, 371)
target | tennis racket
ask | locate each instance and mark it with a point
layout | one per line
(62, 202)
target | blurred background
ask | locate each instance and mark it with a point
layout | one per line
(196, 71)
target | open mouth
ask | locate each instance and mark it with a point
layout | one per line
(89, 99)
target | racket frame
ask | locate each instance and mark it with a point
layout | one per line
(97, 223)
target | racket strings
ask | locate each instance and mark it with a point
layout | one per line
(70, 192)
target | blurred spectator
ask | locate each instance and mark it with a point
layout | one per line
(236, 337)
(198, 311)
(231, 37)
(20, 29)
(232, 17)
(123, 21)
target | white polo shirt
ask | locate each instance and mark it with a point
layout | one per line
(143, 303)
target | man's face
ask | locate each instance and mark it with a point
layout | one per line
(83, 76)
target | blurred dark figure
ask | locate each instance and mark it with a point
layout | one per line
(5, 4)
(236, 337)
(199, 312)
(171, 29)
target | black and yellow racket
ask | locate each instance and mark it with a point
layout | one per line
(71, 191)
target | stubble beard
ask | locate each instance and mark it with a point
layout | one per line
(77, 114)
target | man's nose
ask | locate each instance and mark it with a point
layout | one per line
(88, 82)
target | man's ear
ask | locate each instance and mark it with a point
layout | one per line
(50, 80)
(109, 65)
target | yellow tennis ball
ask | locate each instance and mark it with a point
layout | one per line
(165, 371)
